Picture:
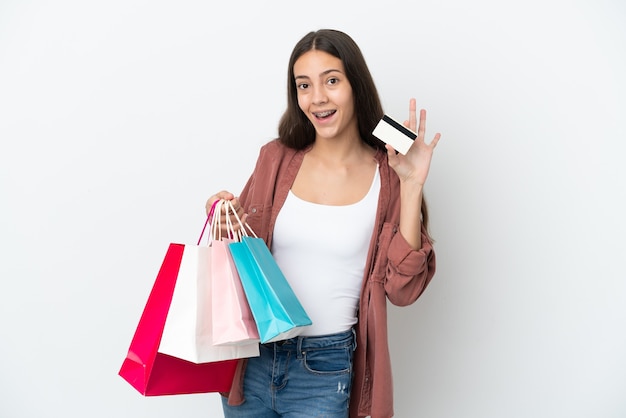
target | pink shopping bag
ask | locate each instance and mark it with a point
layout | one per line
(233, 322)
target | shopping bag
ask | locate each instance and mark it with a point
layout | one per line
(233, 322)
(188, 332)
(153, 373)
(276, 309)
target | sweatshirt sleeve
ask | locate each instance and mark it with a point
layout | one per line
(409, 271)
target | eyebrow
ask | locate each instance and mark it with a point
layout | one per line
(331, 70)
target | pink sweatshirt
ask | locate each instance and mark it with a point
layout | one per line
(393, 271)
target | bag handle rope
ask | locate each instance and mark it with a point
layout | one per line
(214, 218)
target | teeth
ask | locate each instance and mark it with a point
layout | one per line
(324, 114)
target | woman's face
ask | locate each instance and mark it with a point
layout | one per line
(325, 95)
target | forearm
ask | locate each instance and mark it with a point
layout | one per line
(411, 195)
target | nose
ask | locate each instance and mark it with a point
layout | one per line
(319, 95)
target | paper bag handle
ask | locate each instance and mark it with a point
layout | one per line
(242, 225)
(214, 218)
(208, 218)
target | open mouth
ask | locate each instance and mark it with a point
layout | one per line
(324, 115)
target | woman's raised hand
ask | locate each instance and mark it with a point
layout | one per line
(413, 167)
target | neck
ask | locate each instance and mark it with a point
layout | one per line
(340, 151)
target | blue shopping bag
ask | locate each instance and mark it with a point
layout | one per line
(276, 309)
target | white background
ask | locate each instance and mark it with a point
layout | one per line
(119, 118)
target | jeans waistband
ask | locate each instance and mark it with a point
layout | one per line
(340, 339)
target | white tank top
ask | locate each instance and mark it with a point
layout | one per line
(322, 252)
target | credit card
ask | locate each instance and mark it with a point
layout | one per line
(395, 134)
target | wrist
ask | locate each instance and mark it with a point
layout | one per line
(411, 186)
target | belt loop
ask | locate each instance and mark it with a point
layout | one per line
(354, 338)
(299, 346)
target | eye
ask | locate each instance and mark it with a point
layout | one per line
(333, 81)
(302, 86)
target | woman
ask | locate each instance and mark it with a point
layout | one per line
(345, 219)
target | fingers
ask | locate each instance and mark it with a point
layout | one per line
(412, 115)
(227, 210)
(392, 155)
(411, 123)
(236, 216)
(238, 208)
(421, 130)
(433, 143)
(225, 195)
(229, 218)
(421, 133)
(209, 204)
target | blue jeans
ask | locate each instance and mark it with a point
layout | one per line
(301, 377)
